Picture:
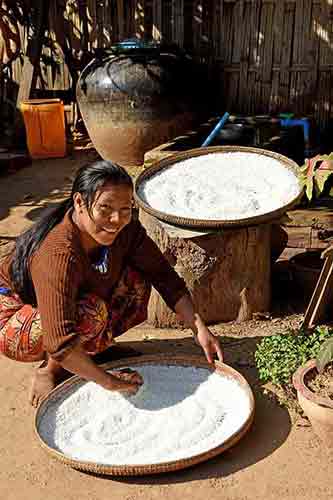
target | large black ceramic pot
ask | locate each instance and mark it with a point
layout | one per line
(135, 96)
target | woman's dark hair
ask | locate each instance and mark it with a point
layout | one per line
(89, 179)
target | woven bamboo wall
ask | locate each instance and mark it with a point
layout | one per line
(268, 55)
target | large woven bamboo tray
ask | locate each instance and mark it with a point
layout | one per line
(128, 469)
(210, 223)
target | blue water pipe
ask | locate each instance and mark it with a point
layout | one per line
(304, 123)
(216, 130)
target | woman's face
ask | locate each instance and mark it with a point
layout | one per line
(110, 212)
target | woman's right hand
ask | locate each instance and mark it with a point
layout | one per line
(125, 380)
(79, 363)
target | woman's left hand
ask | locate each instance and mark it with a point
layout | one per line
(204, 337)
(209, 343)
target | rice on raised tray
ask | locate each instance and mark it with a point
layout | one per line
(221, 186)
(178, 412)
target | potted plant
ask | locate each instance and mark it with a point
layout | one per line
(314, 175)
(280, 355)
(314, 385)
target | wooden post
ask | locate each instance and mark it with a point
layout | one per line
(26, 81)
(120, 12)
(227, 272)
(39, 13)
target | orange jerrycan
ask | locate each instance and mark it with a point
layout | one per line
(44, 121)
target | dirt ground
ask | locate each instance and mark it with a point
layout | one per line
(279, 458)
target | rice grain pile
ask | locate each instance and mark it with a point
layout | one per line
(221, 186)
(178, 412)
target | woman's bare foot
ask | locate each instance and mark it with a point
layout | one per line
(47, 376)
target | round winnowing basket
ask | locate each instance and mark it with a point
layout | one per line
(128, 469)
(173, 160)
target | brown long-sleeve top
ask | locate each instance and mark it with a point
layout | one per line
(61, 271)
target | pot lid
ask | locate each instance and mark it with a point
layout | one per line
(135, 44)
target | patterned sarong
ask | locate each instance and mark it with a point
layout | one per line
(98, 322)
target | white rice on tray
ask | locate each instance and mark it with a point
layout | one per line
(178, 412)
(221, 186)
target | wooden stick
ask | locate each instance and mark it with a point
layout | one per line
(244, 312)
(34, 48)
(322, 294)
(120, 9)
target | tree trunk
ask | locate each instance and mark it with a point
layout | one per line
(227, 272)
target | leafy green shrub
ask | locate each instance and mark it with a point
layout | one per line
(278, 356)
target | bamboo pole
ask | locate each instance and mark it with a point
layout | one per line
(120, 13)
(157, 20)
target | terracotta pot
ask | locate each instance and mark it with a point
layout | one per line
(318, 410)
(135, 96)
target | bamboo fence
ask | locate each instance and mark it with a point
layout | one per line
(266, 56)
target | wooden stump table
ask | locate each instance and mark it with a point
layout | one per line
(227, 271)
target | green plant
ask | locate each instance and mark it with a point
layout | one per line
(278, 356)
(314, 174)
(325, 355)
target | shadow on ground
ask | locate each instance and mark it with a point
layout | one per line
(269, 431)
(41, 183)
